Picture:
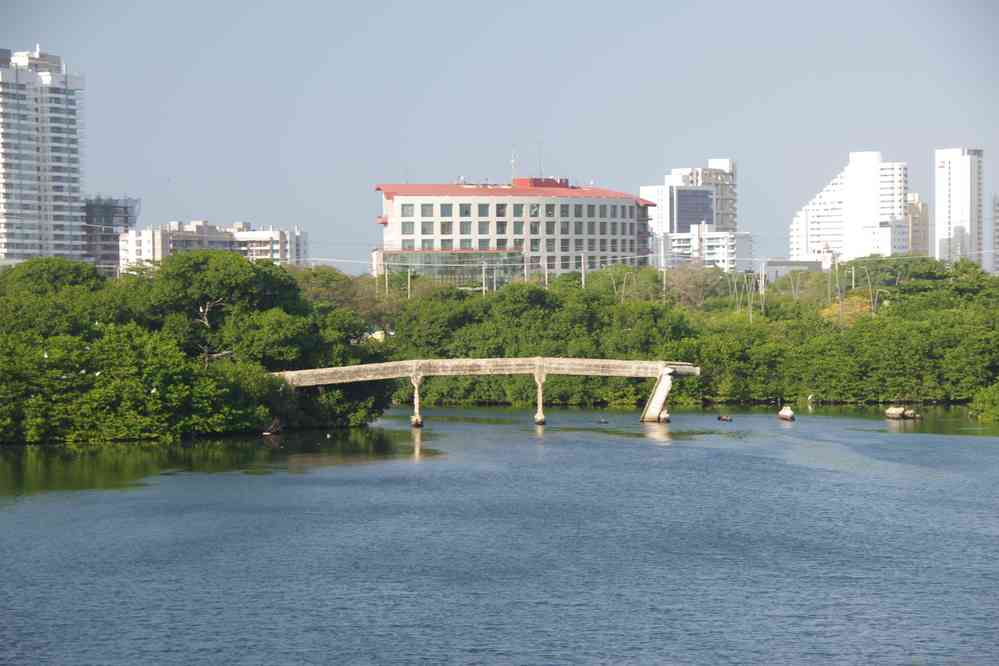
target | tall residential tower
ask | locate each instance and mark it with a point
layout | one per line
(959, 219)
(859, 213)
(41, 211)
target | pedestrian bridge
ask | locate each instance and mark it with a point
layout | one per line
(539, 366)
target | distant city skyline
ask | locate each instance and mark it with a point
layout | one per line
(291, 118)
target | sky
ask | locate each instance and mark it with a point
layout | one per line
(290, 113)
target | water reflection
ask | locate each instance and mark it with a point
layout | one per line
(658, 432)
(32, 469)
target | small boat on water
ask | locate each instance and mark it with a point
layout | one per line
(786, 413)
(602, 421)
(723, 417)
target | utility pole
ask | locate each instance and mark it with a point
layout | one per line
(546, 272)
(483, 278)
(386, 278)
(853, 277)
(409, 283)
(582, 264)
(494, 278)
(525, 268)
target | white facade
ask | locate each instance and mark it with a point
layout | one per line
(859, 213)
(147, 246)
(705, 244)
(41, 209)
(681, 202)
(532, 225)
(959, 219)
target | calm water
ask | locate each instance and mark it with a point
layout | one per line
(829, 540)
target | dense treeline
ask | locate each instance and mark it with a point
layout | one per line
(876, 330)
(182, 350)
(186, 349)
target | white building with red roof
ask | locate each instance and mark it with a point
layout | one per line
(530, 226)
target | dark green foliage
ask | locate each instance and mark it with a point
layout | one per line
(912, 329)
(180, 351)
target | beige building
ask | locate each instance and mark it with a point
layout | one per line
(148, 246)
(917, 224)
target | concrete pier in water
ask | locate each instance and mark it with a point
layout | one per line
(539, 366)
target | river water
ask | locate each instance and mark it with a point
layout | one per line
(839, 538)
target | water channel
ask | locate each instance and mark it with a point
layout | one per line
(839, 538)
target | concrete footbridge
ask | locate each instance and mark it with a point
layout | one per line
(538, 366)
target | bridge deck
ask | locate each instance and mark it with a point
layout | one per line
(485, 366)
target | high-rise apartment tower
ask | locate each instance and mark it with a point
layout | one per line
(41, 211)
(959, 218)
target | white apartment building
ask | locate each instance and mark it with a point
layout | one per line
(995, 233)
(917, 224)
(148, 246)
(959, 219)
(533, 225)
(705, 244)
(691, 196)
(41, 209)
(859, 213)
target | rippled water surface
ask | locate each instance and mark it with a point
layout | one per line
(839, 538)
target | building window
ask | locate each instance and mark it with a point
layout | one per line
(549, 245)
(550, 228)
(603, 228)
(407, 210)
(408, 244)
(535, 244)
(578, 210)
(550, 261)
(518, 243)
(447, 210)
(447, 244)
(518, 210)
(549, 210)
(564, 261)
(446, 227)
(465, 244)
(465, 210)
(500, 243)
(500, 210)
(603, 244)
(564, 245)
(565, 228)
(591, 228)
(518, 228)
(500, 228)
(578, 228)
(407, 228)
(563, 210)
(427, 244)
(483, 243)
(591, 210)
(426, 210)
(483, 210)
(535, 210)
(603, 210)
(578, 244)
(613, 228)
(591, 262)
(535, 228)
(613, 245)
(427, 228)
(483, 227)
(466, 227)
(591, 245)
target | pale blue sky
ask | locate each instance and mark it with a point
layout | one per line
(289, 113)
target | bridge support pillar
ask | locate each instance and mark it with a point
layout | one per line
(655, 409)
(416, 420)
(539, 416)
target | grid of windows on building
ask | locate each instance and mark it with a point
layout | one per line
(559, 234)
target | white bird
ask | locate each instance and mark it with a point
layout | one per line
(153, 391)
(45, 354)
(97, 374)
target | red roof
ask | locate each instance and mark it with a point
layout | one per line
(551, 188)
